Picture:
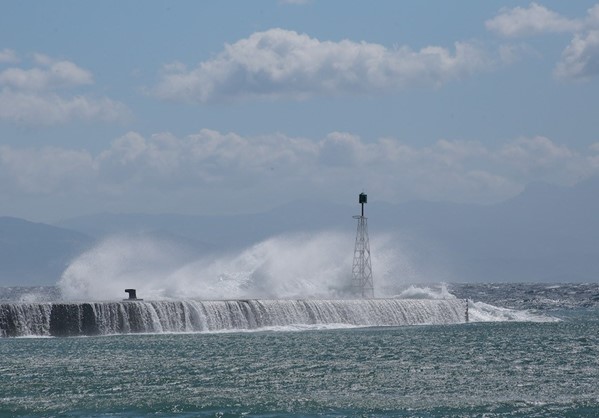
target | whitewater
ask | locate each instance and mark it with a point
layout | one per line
(292, 282)
(21, 319)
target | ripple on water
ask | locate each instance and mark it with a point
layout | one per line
(521, 369)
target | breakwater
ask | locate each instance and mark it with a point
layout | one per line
(103, 318)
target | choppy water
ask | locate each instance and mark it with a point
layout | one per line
(501, 368)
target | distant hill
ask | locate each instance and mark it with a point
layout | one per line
(35, 253)
(547, 233)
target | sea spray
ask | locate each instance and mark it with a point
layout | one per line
(483, 312)
(103, 272)
(306, 265)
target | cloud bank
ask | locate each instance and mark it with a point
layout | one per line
(280, 63)
(174, 174)
(40, 95)
(535, 19)
(580, 59)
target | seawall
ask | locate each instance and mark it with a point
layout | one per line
(104, 318)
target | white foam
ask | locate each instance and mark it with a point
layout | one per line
(426, 292)
(299, 266)
(483, 312)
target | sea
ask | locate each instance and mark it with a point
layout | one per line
(528, 350)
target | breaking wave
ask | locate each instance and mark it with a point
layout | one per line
(298, 266)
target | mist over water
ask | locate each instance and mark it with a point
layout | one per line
(316, 265)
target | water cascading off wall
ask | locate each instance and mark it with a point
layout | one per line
(103, 318)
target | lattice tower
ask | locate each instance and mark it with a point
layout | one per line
(362, 268)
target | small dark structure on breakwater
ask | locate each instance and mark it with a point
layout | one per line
(132, 295)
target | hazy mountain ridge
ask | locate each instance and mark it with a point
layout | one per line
(546, 233)
(36, 253)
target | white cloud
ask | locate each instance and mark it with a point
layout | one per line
(535, 19)
(280, 63)
(343, 149)
(45, 170)
(238, 171)
(8, 56)
(539, 158)
(207, 158)
(56, 75)
(580, 60)
(36, 95)
(50, 108)
(592, 18)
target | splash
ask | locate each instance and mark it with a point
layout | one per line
(101, 272)
(483, 312)
(426, 292)
(314, 265)
(303, 265)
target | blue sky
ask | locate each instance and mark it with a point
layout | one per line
(151, 106)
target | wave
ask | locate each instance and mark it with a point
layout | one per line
(294, 266)
(483, 312)
(426, 292)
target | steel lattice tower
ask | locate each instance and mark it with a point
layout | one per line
(362, 268)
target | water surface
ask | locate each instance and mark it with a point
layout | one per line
(495, 369)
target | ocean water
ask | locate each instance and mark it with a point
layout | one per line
(532, 352)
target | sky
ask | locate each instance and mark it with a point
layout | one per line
(238, 107)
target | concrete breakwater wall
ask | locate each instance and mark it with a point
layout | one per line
(104, 318)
